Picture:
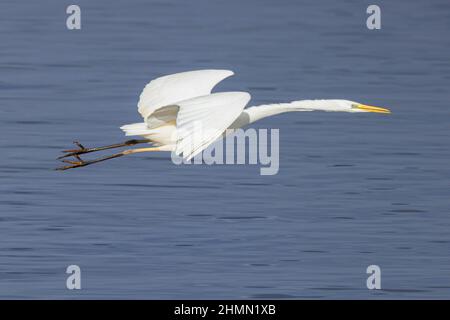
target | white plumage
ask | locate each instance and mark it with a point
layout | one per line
(181, 114)
(169, 90)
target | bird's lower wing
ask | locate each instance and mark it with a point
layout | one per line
(202, 120)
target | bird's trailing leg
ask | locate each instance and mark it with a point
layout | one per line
(81, 163)
(82, 150)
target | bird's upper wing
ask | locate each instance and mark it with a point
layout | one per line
(202, 120)
(170, 89)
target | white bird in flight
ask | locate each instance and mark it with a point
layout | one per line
(176, 105)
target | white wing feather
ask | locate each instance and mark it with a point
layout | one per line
(170, 89)
(202, 120)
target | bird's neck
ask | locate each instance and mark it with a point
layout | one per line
(266, 110)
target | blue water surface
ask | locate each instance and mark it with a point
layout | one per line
(352, 190)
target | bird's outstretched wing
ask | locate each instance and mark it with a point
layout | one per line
(170, 89)
(202, 120)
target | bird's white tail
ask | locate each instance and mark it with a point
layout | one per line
(136, 129)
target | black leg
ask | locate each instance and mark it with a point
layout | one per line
(82, 163)
(82, 150)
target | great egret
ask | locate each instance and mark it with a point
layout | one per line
(170, 106)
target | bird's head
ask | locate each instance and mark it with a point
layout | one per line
(352, 106)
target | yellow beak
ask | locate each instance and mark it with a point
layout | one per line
(372, 109)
